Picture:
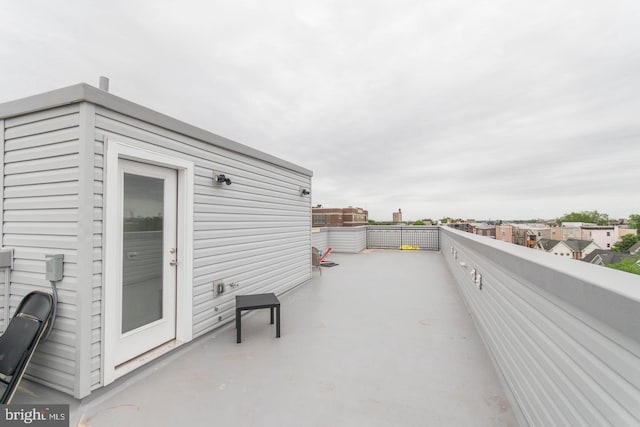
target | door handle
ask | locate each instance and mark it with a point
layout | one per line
(173, 263)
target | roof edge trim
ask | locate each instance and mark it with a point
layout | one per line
(83, 92)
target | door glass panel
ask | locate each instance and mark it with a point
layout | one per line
(142, 238)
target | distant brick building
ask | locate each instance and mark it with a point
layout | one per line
(397, 216)
(504, 233)
(339, 217)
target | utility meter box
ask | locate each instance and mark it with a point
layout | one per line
(6, 258)
(54, 267)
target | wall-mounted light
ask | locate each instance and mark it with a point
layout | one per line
(220, 178)
(304, 192)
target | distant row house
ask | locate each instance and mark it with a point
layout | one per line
(572, 248)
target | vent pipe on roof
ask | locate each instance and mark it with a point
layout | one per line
(104, 83)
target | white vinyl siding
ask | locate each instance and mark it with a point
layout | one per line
(566, 360)
(41, 192)
(255, 233)
(250, 232)
(348, 239)
(320, 238)
(3, 313)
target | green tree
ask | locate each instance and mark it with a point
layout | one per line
(630, 265)
(418, 222)
(594, 217)
(448, 219)
(625, 243)
(634, 222)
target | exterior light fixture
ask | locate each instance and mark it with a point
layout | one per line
(220, 178)
(305, 192)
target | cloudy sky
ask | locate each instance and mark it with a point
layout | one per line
(479, 109)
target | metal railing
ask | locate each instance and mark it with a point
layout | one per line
(399, 237)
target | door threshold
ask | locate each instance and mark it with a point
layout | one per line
(144, 358)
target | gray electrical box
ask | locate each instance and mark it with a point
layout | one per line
(54, 267)
(6, 258)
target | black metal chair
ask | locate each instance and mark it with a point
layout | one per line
(28, 327)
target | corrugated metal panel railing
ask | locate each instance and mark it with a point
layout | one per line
(394, 237)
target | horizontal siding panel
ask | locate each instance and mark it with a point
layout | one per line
(237, 206)
(42, 115)
(574, 359)
(37, 254)
(252, 185)
(51, 151)
(42, 229)
(42, 126)
(244, 255)
(233, 267)
(57, 363)
(53, 215)
(45, 242)
(57, 188)
(249, 221)
(44, 374)
(209, 196)
(204, 152)
(57, 350)
(39, 165)
(561, 364)
(48, 202)
(64, 324)
(226, 237)
(42, 177)
(42, 140)
(263, 227)
(264, 245)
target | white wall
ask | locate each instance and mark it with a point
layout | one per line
(254, 233)
(42, 194)
(603, 238)
(564, 336)
(340, 239)
(249, 233)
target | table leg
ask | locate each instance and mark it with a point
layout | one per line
(271, 309)
(238, 327)
(277, 321)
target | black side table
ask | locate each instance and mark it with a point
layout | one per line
(255, 301)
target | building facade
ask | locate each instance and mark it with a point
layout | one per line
(605, 236)
(570, 248)
(504, 232)
(397, 216)
(339, 217)
(160, 224)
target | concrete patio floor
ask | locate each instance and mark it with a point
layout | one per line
(382, 339)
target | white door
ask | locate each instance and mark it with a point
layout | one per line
(145, 315)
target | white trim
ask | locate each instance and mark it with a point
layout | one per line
(139, 151)
(7, 271)
(84, 272)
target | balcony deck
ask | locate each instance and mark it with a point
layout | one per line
(382, 339)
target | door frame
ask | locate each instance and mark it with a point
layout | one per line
(138, 151)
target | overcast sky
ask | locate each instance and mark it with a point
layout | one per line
(470, 108)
